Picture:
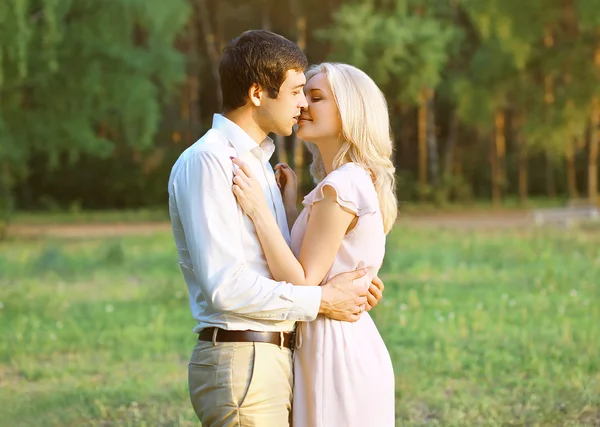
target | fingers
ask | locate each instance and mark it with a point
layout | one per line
(344, 278)
(240, 182)
(240, 172)
(375, 292)
(237, 191)
(371, 301)
(243, 166)
(357, 274)
(285, 170)
(378, 283)
(281, 179)
(356, 313)
(241, 178)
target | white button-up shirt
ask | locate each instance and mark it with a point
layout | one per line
(228, 278)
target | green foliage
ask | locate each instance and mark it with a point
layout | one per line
(403, 53)
(83, 84)
(82, 77)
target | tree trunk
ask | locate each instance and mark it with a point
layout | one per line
(522, 160)
(497, 159)
(265, 16)
(212, 45)
(523, 178)
(6, 200)
(571, 170)
(432, 146)
(301, 36)
(281, 151)
(189, 109)
(593, 154)
(450, 145)
(550, 180)
(422, 126)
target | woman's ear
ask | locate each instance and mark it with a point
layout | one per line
(255, 94)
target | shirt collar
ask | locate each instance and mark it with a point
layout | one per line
(241, 141)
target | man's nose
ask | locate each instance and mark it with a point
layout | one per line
(303, 104)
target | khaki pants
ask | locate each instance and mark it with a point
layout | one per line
(241, 384)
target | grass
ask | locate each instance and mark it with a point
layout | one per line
(484, 328)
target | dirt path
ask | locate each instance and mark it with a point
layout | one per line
(89, 230)
(471, 220)
(456, 220)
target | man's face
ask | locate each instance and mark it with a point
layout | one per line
(279, 115)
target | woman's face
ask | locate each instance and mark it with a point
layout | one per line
(321, 119)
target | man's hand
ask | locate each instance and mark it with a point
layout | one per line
(375, 293)
(342, 299)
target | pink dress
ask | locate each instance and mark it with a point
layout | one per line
(343, 371)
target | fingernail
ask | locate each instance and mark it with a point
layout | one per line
(284, 166)
(231, 157)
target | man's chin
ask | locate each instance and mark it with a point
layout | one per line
(286, 131)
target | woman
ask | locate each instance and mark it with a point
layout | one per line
(343, 371)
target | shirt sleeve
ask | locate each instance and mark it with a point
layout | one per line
(211, 222)
(351, 193)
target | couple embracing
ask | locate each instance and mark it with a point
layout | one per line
(283, 314)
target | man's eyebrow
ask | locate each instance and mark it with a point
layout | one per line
(300, 86)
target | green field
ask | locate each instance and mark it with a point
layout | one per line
(485, 328)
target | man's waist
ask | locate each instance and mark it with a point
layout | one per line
(282, 339)
(234, 323)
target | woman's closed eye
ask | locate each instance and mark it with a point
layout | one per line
(315, 99)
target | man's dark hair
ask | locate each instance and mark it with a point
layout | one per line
(257, 56)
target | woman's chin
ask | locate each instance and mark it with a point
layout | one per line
(300, 133)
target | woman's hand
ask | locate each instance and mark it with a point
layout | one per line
(288, 185)
(248, 191)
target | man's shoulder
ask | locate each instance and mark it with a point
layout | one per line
(212, 142)
(210, 148)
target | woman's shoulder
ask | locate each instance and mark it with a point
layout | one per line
(353, 186)
(354, 176)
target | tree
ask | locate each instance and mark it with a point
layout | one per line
(83, 77)
(403, 47)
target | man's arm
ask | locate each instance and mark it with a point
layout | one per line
(212, 223)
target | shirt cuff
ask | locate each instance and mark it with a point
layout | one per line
(307, 300)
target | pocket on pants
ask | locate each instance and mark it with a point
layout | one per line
(209, 382)
(206, 355)
(242, 371)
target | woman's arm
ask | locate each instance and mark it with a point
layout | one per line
(327, 226)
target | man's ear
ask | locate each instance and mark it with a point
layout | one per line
(255, 94)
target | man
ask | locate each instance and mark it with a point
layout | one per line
(240, 372)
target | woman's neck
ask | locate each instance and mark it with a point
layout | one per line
(328, 150)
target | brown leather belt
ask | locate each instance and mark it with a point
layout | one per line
(248, 336)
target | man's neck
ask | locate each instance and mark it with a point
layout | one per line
(243, 118)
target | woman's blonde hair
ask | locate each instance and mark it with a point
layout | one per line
(365, 135)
